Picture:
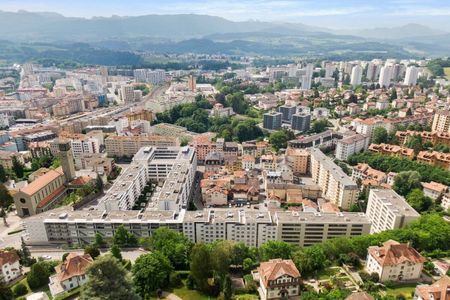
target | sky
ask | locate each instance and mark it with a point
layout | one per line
(349, 14)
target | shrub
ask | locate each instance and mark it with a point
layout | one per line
(175, 279)
(20, 289)
(190, 282)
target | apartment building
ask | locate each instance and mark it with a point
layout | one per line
(431, 137)
(129, 145)
(368, 175)
(297, 160)
(395, 262)
(336, 186)
(309, 228)
(350, 145)
(388, 210)
(323, 139)
(434, 158)
(252, 227)
(441, 121)
(393, 150)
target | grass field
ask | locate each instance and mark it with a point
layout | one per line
(405, 290)
(447, 73)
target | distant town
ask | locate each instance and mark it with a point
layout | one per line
(308, 180)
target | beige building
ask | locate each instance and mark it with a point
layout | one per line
(445, 204)
(394, 150)
(435, 158)
(336, 186)
(441, 121)
(440, 290)
(10, 268)
(6, 158)
(70, 274)
(130, 145)
(434, 189)
(42, 194)
(388, 210)
(297, 159)
(278, 279)
(394, 262)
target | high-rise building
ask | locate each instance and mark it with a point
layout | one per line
(356, 75)
(127, 93)
(412, 73)
(385, 76)
(388, 210)
(66, 156)
(287, 112)
(301, 122)
(372, 71)
(272, 120)
(441, 121)
(192, 83)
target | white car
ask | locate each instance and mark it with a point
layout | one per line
(46, 257)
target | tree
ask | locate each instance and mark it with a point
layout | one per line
(151, 272)
(99, 184)
(17, 167)
(379, 135)
(20, 289)
(393, 95)
(418, 200)
(248, 265)
(310, 259)
(319, 126)
(92, 250)
(99, 241)
(172, 244)
(3, 176)
(221, 257)
(415, 142)
(38, 275)
(123, 237)
(5, 291)
(25, 254)
(201, 266)
(405, 182)
(108, 279)
(115, 251)
(275, 249)
(5, 197)
(279, 139)
(227, 288)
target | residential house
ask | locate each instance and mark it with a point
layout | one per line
(9, 265)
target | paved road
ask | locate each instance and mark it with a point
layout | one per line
(14, 223)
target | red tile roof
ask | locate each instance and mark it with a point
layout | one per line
(275, 268)
(393, 253)
(74, 265)
(51, 196)
(8, 257)
(440, 290)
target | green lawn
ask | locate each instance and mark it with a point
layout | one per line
(246, 297)
(326, 273)
(184, 293)
(44, 289)
(447, 73)
(404, 289)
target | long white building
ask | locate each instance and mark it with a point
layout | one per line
(63, 226)
(412, 73)
(356, 76)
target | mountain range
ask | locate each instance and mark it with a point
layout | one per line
(210, 34)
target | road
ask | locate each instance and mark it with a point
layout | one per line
(56, 253)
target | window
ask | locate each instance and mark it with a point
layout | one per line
(22, 200)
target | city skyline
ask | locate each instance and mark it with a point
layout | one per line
(348, 14)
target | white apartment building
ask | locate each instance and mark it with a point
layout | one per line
(394, 262)
(385, 76)
(127, 93)
(308, 228)
(336, 186)
(367, 126)
(350, 145)
(388, 210)
(130, 145)
(412, 73)
(441, 121)
(356, 76)
(252, 227)
(149, 76)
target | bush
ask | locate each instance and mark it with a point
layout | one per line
(175, 279)
(127, 264)
(190, 282)
(38, 275)
(20, 289)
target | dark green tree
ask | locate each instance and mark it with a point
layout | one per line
(418, 200)
(3, 175)
(92, 250)
(38, 275)
(201, 266)
(172, 244)
(123, 237)
(5, 197)
(151, 272)
(108, 279)
(319, 126)
(99, 184)
(99, 241)
(379, 135)
(5, 291)
(115, 251)
(405, 182)
(25, 255)
(227, 288)
(275, 249)
(17, 167)
(279, 139)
